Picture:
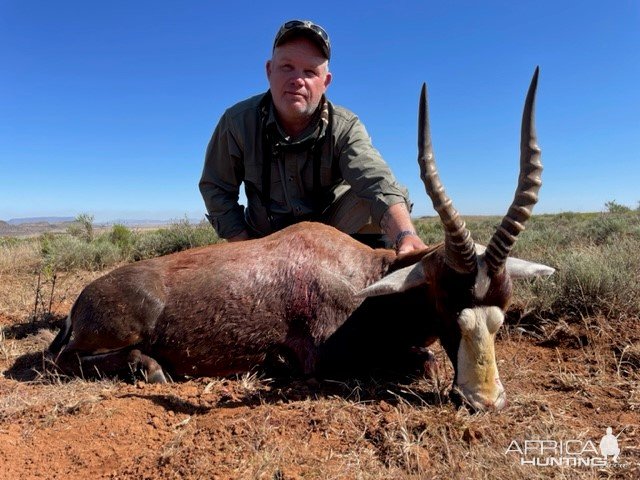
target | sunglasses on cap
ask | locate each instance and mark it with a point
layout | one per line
(301, 25)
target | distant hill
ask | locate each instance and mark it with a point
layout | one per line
(148, 222)
(28, 227)
(136, 223)
(20, 221)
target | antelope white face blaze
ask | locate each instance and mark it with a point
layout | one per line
(483, 282)
(477, 377)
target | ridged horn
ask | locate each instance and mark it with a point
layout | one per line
(459, 246)
(526, 195)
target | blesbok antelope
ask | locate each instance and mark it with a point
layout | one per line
(331, 303)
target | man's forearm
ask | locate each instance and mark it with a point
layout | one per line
(396, 220)
(397, 225)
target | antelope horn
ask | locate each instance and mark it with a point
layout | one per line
(460, 253)
(526, 195)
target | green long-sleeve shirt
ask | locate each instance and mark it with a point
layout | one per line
(235, 155)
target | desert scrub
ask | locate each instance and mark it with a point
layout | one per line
(611, 227)
(90, 251)
(19, 256)
(82, 227)
(83, 249)
(179, 236)
(429, 230)
(590, 280)
(123, 238)
(67, 253)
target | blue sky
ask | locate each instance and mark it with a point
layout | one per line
(107, 107)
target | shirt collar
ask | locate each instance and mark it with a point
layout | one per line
(316, 129)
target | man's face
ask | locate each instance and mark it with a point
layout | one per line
(298, 77)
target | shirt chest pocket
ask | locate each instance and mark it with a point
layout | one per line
(327, 171)
(253, 177)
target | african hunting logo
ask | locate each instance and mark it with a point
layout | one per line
(569, 453)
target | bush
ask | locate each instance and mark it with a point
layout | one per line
(429, 230)
(591, 280)
(68, 253)
(614, 207)
(82, 227)
(19, 255)
(179, 236)
(605, 228)
(123, 238)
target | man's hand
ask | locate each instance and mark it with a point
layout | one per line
(396, 223)
(410, 243)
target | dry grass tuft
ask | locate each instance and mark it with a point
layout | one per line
(53, 399)
(20, 257)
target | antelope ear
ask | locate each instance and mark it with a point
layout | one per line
(518, 268)
(398, 281)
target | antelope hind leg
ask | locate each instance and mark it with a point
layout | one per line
(81, 364)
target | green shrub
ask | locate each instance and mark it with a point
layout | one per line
(591, 280)
(9, 242)
(614, 207)
(123, 238)
(429, 230)
(605, 228)
(68, 253)
(179, 236)
(82, 227)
